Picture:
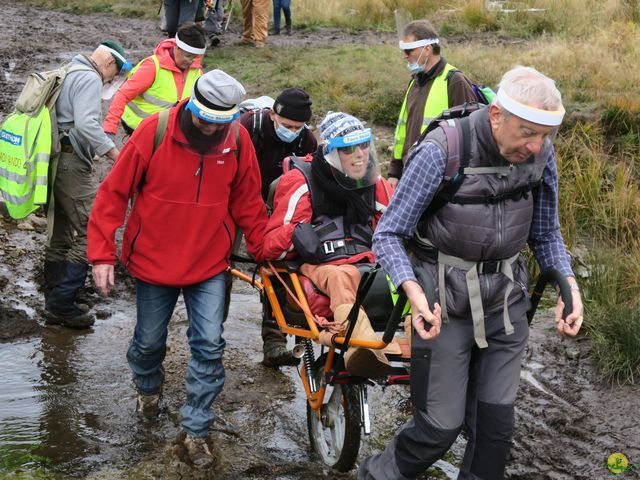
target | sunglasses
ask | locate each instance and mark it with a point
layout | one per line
(352, 148)
(408, 51)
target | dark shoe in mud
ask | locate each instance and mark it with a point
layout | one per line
(279, 356)
(148, 406)
(199, 451)
(77, 317)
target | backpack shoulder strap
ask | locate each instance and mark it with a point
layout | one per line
(256, 133)
(161, 128)
(451, 73)
(458, 134)
(317, 195)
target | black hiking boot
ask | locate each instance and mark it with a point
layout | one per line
(60, 306)
(279, 356)
(288, 27)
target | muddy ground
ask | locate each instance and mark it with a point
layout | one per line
(66, 403)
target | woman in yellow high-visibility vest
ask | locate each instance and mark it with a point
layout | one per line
(160, 81)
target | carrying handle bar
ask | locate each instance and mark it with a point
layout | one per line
(546, 277)
(429, 289)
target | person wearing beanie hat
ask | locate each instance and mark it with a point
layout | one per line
(73, 188)
(294, 104)
(159, 81)
(277, 133)
(353, 197)
(193, 177)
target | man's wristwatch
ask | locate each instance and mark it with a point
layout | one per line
(574, 287)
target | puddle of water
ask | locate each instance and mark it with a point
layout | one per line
(53, 413)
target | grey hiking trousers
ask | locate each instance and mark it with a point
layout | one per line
(439, 380)
(73, 192)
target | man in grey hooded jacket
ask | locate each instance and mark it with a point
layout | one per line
(71, 183)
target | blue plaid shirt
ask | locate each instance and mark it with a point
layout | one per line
(421, 179)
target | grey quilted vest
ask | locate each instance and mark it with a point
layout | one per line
(472, 244)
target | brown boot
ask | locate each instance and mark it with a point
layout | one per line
(363, 362)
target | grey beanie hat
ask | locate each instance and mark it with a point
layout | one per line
(218, 90)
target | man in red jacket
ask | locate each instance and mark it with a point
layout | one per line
(325, 212)
(202, 180)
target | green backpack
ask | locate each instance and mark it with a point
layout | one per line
(28, 139)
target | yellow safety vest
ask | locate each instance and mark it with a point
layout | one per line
(25, 148)
(437, 102)
(162, 95)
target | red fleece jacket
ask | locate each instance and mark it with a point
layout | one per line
(182, 223)
(143, 78)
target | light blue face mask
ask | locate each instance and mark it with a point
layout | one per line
(415, 68)
(286, 135)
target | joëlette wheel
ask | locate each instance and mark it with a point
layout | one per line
(335, 436)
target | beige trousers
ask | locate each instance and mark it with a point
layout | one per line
(255, 15)
(338, 282)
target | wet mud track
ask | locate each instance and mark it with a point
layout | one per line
(67, 404)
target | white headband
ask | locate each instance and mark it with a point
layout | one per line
(551, 118)
(417, 43)
(114, 52)
(188, 48)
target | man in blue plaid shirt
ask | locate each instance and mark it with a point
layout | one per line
(471, 246)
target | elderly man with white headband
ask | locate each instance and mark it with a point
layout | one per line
(79, 115)
(470, 244)
(193, 176)
(435, 86)
(160, 81)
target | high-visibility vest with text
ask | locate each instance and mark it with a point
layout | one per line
(25, 148)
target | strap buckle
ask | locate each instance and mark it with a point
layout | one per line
(330, 246)
(490, 267)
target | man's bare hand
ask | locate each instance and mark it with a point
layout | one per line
(426, 321)
(571, 325)
(103, 277)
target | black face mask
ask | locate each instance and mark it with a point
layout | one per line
(200, 142)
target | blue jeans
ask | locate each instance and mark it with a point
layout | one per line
(286, 8)
(205, 373)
